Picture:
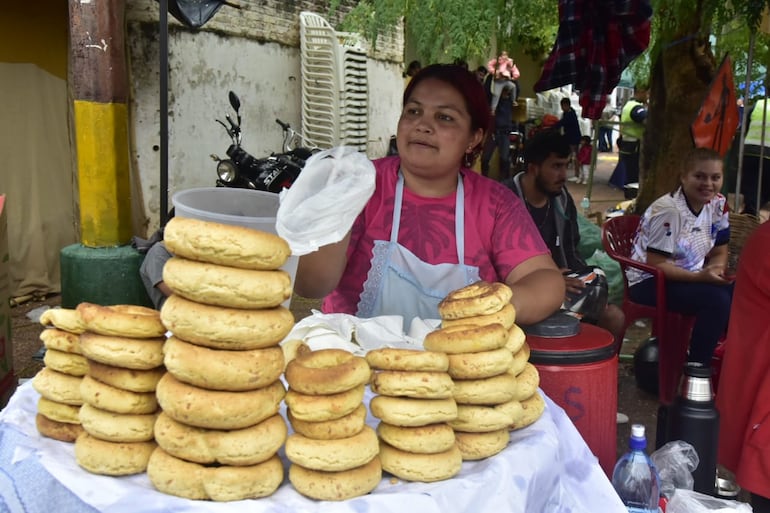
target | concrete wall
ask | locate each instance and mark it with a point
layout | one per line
(253, 51)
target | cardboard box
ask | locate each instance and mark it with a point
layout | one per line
(7, 377)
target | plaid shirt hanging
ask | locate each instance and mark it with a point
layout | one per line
(596, 40)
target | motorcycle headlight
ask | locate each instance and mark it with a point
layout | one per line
(226, 171)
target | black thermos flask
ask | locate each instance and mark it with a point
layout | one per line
(693, 418)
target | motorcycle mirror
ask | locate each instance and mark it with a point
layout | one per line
(235, 101)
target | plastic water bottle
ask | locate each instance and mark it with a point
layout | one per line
(585, 204)
(635, 477)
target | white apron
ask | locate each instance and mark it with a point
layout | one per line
(399, 283)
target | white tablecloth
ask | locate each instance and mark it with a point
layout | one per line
(547, 467)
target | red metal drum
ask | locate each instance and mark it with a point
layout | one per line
(580, 374)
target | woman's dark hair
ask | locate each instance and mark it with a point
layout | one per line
(543, 144)
(466, 83)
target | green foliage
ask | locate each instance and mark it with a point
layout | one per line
(444, 30)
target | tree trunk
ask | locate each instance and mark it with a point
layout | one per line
(680, 80)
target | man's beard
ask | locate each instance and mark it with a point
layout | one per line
(540, 186)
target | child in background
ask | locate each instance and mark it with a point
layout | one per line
(584, 158)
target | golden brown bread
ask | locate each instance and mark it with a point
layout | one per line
(336, 486)
(218, 327)
(220, 369)
(238, 447)
(227, 286)
(224, 244)
(326, 371)
(214, 409)
(480, 298)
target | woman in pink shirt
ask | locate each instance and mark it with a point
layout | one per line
(433, 225)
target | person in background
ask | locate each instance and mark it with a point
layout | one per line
(606, 129)
(584, 154)
(571, 130)
(503, 124)
(433, 225)
(542, 187)
(481, 73)
(411, 71)
(758, 123)
(632, 123)
(504, 72)
(743, 398)
(685, 234)
(151, 272)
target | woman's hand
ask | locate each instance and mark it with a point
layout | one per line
(572, 284)
(713, 274)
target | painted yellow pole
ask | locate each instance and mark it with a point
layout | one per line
(98, 82)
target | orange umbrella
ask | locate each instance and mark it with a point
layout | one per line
(717, 120)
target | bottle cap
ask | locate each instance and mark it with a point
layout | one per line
(637, 430)
(697, 370)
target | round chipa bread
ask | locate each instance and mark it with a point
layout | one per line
(62, 431)
(527, 382)
(59, 412)
(226, 285)
(220, 369)
(466, 338)
(66, 319)
(116, 400)
(533, 409)
(320, 408)
(484, 364)
(420, 385)
(520, 360)
(477, 446)
(133, 380)
(495, 390)
(406, 411)
(117, 427)
(333, 455)
(326, 371)
(506, 316)
(215, 409)
(130, 353)
(480, 419)
(426, 468)
(218, 327)
(61, 340)
(121, 320)
(343, 427)
(428, 439)
(58, 387)
(407, 360)
(112, 458)
(516, 339)
(480, 298)
(225, 244)
(174, 476)
(336, 486)
(240, 447)
(66, 363)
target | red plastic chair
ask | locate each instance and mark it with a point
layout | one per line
(671, 329)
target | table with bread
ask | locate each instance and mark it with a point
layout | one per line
(216, 404)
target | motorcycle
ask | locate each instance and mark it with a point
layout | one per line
(273, 173)
(516, 145)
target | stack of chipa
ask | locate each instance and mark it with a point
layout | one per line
(333, 452)
(415, 405)
(124, 348)
(58, 383)
(494, 385)
(220, 431)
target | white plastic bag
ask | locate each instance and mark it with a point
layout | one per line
(688, 501)
(326, 198)
(675, 462)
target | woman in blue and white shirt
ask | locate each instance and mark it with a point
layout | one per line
(685, 234)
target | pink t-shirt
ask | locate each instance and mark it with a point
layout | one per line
(499, 232)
